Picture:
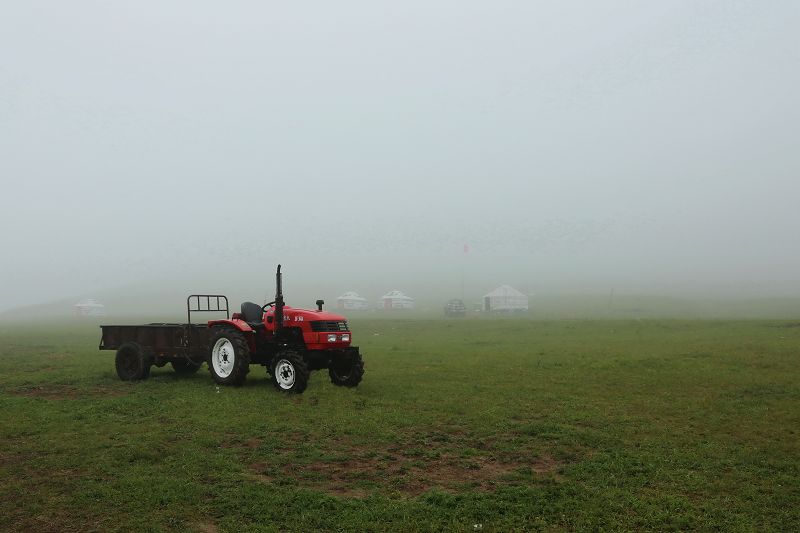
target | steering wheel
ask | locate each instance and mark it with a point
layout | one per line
(266, 306)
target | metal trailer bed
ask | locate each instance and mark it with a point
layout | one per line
(169, 341)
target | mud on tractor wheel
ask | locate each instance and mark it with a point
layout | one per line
(228, 356)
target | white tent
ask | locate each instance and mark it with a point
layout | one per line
(90, 307)
(505, 299)
(396, 300)
(351, 301)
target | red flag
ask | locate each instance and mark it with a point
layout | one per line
(466, 248)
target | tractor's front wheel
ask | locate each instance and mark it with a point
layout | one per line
(228, 356)
(347, 371)
(132, 362)
(289, 372)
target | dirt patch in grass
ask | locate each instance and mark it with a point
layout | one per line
(252, 443)
(52, 520)
(50, 512)
(546, 465)
(65, 392)
(205, 527)
(415, 464)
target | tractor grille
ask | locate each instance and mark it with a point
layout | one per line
(328, 325)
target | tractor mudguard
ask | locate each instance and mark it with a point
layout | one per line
(239, 324)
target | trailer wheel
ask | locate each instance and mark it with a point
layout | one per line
(348, 371)
(132, 362)
(183, 367)
(289, 372)
(228, 357)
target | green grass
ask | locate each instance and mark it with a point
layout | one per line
(514, 424)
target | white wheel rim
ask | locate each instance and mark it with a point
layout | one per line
(222, 357)
(284, 374)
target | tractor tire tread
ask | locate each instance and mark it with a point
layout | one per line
(132, 362)
(241, 353)
(353, 376)
(301, 371)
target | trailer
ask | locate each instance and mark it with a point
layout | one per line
(288, 342)
(139, 347)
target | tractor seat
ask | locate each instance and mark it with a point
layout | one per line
(251, 313)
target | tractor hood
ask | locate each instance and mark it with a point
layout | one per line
(290, 314)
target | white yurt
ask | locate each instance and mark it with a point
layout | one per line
(396, 300)
(505, 299)
(90, 307)
(351, 301)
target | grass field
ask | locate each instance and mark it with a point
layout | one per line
(490, 425)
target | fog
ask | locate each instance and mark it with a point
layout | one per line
(573, 147)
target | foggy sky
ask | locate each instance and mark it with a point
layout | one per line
(647, 146)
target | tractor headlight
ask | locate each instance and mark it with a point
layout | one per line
(346, 337)
(332, 337)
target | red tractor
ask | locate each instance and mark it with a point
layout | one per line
(289, 342)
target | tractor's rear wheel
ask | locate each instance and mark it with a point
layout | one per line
(228, 356)
(289, 372)
(132, 362)
(182, 367)
(347, 371)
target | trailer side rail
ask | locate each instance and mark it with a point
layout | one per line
(213, 304)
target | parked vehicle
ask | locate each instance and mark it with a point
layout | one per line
(455, 307)
(288, 342)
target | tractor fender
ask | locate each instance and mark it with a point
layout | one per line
(239, 324)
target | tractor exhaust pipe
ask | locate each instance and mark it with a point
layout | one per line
(278, 301)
